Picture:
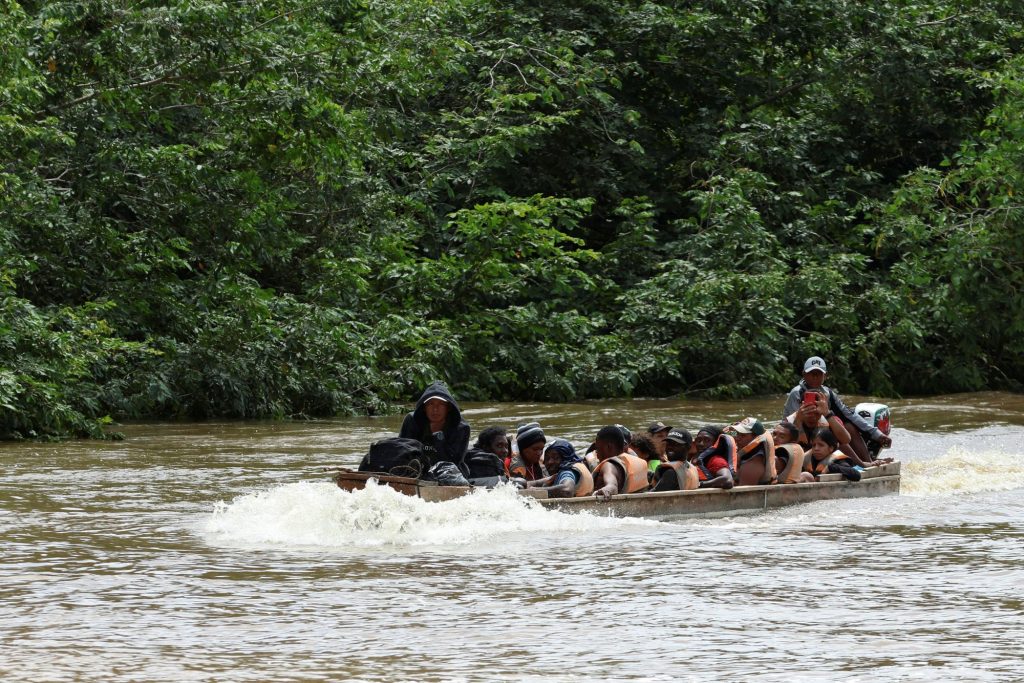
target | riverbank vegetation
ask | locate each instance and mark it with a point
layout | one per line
(274, 208)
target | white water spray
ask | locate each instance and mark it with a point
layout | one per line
(322, 515)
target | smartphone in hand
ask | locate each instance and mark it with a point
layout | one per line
(810, 398)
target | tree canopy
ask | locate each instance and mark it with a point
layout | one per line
(274, 208)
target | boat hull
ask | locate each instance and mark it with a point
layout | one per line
(669, 505)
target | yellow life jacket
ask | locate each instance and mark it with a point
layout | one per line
(634, 468)
(817, 467)
(585, 486)
(752, 472)
(686, 474)
(790, 473)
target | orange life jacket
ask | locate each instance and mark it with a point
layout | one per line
(726, 449)
(585, 486)
(519, 468)
(790, 473)
(686, 474)
(766, 445)
(633, 467)
(817, 467)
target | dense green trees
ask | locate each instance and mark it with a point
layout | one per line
(277, 208)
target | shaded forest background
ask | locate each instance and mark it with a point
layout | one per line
(278, 208)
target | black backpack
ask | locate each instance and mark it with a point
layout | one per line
(483, 468)
(397, 456)
(479, 463)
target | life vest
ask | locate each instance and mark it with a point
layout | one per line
(585, 486)
(634, 468)
(686, 474)
(817, 467)
(724, 446)
(794, 463)
(519, 468)
(805, 436)
(752, 473)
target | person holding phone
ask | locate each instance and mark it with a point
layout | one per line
(813, 414)
(814, 381)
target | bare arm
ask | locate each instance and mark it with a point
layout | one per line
(723, 480)
(610, 475)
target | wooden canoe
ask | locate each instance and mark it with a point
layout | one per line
(667, 505)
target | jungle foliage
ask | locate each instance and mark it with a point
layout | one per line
(278, 208)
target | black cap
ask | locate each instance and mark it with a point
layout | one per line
(657, 427)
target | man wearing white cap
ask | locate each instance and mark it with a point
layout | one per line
(814, 380)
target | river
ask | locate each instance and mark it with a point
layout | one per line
(221, 552)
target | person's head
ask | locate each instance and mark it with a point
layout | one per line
(823, 443)
(493, 440)
(645, 447)
(814, 372)
(530, 439)
(706, 437)
(610, 442)
(745, 431)
(677, 444)
(658, 431)
(785, 432)
(436, 409)
(558, 454)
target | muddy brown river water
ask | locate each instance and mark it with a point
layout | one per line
(221, 552)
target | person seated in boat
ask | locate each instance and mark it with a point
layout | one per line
(814, 414)
(716, 459)
(437, 423)
(825, 457)
(494, 440)
(678, 444)
(645, 449)
(526, 463)
(677, 473)
(591, 458)
(657, 431)
(569, 478)
(756, 452)
(789, 454)
(814, 380)
(618, 471)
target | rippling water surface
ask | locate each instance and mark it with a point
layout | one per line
(220, 551)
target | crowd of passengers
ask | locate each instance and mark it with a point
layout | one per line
(818, 434)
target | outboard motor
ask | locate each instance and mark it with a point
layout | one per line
(877, 415)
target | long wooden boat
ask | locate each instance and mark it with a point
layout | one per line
(667, 505)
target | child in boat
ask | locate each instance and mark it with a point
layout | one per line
(825, 458)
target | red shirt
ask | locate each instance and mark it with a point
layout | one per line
(715, 463)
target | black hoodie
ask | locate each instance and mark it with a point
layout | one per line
(452, 446)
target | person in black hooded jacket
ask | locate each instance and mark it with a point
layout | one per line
(437, 422)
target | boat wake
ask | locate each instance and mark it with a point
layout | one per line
(961, 471)
(322, 515)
